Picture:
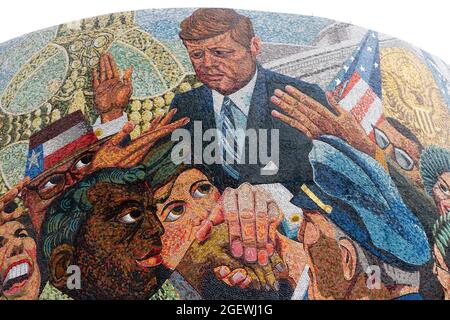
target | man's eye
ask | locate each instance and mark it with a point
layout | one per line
(197, 54)
(84, 161)
(22, 234)
(52, 182)
(175, 213)
(220, 53)
(131, 216)
(444, 189)
(202, 190)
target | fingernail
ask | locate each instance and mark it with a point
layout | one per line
(278, 93)
(263, 257)
(275, 99)
(237, 277)
(223, 271)
(276, 285)
(289, 88)
(250, 254)
(236, 249)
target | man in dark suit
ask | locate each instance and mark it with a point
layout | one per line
(236, 95)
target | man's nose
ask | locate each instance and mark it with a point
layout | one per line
(16, 249)
(69, 179)
(209, 60)
(152, 227)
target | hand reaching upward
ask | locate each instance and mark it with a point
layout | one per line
(111, 92)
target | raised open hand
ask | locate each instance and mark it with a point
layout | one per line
(313, 119)
(8, 208)
(111, 92)
(115, 154)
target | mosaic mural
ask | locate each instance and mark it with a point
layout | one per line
(222, 154)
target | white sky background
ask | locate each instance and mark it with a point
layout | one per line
(424, 23)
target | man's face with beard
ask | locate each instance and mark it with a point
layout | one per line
(118, 247)
(325, 258)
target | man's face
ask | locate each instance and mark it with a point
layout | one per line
(45, 188)
(404, 152)
(187, 202)
(441, 193)
(119, 245)
(19, 270)
(324, 258)
(223, 64)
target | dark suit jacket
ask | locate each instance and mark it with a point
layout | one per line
(294, 146)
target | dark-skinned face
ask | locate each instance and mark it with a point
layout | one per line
(118, 250)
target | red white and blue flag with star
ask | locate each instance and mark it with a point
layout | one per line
(57, 142)
(357, 87)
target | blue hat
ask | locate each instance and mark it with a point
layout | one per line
(357, 194)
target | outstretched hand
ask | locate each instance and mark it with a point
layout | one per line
(115, 154)
(252, 218)
(313, 119)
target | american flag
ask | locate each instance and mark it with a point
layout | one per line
(357, 87)
(441, 79)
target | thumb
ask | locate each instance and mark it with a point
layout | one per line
(127, 75)
(332, 101)
(216, 217)
(124, 132)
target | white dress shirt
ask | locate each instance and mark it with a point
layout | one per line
(242, 99)
(103, 130)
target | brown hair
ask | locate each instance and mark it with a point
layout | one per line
(207, 23)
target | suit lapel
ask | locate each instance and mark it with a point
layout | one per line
(207, 109)
(259, 107)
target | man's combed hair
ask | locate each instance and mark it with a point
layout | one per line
(207, 23)
(434, 161)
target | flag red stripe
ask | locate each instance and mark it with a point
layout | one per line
(363, 105)
(69, 149)
(351, 83)
(56, 128)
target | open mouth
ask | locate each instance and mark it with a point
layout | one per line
(17, 275)
(152, 258)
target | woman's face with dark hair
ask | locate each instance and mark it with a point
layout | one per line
(19, 269)
(441, 193)
(188, 200)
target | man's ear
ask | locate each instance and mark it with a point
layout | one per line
(255, 46)
(349, 258)
(60, 259)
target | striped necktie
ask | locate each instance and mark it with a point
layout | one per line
(228, 142)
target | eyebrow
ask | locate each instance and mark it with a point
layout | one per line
(18, 231)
